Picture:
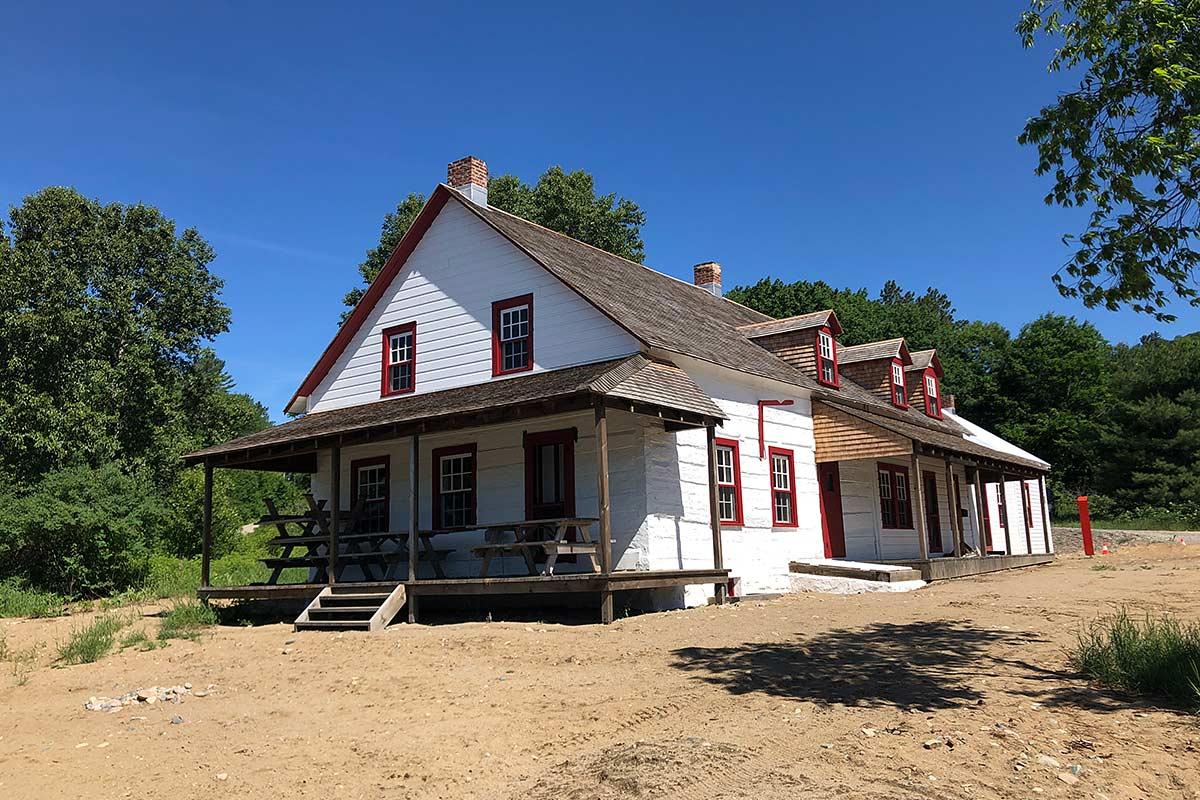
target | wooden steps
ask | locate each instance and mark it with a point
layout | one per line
(353, 608)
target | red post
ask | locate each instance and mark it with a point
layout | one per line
(1085, 522)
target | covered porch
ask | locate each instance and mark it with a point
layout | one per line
(898, 493)
(522, 486)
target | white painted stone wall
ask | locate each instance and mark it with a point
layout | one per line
(459, 268)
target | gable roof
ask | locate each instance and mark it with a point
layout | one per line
(800, 322)
(890, 348)
(659, 311)
(923, 359)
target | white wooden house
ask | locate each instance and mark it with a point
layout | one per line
(497, 371)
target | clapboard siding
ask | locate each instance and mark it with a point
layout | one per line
(1016, 518)
(460, 267)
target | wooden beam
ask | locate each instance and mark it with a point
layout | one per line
(206, 526)
(602, 490)
(955, 511)
(980, 509)
(335, 510)
(918, 491)
(1045, 501)
(414, 519)
(1006, 518)
(1027, 518)
(714, 511)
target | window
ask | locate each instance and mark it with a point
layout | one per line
(550, 473)
(933, 402)
(899, 390)
(895, 505)
(783, 488)
(827, 369)
(512, 335)
(399, 359)
(729, 482)
(1001, 507)
(369, 493)
(454, 486)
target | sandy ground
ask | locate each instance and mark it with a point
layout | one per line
(804, 696)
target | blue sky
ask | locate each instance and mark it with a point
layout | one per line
(849, 142)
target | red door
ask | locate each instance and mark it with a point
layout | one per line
(550, 474)
(833, 530)
(933, 524)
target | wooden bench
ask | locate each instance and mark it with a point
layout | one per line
(551, 547)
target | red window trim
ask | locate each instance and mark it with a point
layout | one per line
(1028, 503)
(903, 385)
(790, 456)
(385, 388)
(895, 469)
(1001, 508)
(930, 372)
(373, 461)
(497, 358)
(436, 457)
(987, 518)
(837, 379)
(737, 483)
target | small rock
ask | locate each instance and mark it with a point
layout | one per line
(176, 720)
(827, 746)
(151, 700)
(147, 694)
(222, 776)
(1076, 770)
(1068, 778)
(929, 744)
(187, 686)
(868, 732)
(1049, 761)
(200, 693)
(102, 745)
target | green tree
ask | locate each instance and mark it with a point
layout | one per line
(102, 310)
(563, 201)
(1126, 144)
(1054, 383)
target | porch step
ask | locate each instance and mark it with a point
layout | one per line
(351, 609)
(886, 573)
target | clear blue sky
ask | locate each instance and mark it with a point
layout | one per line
(849, 142)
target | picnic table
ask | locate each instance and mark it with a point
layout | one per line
(529, 536)
(309, 534)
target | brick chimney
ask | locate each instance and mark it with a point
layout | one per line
(947, 402)
(469, 176)
(708, 277)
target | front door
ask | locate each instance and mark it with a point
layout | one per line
(550, 474)
(933, 524)
(833, 530)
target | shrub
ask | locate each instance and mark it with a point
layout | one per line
(186, 620)
(17, 600)
(1158, 657)
(138, 639)
(77, 532)
(92, 641)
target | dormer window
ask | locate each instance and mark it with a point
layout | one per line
(399, 360)
(512, 335)
(827, 370)
(933, 400)
(899, 390)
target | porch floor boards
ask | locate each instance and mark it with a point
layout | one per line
(940, 569)
(625, 580)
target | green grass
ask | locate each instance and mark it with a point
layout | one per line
(139, 640)
(1103, 568)
(92, 641)
(1159, 656)
(17, 600)
(187, 619)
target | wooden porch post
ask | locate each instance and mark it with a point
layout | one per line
(1007, 517)
(1045, 500)
(605, 512)
(955, 511)
(414, 521)
(918, 490)
(206, 539)
(335, 510)
(714, 509)
(981, 536)
(1027, 518)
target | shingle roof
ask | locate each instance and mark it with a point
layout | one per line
(661, 311)
(891, 348)
(922, 359)
(800, 322)
(634, 378)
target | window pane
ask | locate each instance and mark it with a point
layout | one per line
(548, 477)
(516, 353)
(827, 371)
(727, 503)
(514, 323)
(724, 464)
(783, 507)
(781, 473)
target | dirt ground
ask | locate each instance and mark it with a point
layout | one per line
(958, 690)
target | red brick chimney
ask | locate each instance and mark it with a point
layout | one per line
(708, 277)
(469, 175)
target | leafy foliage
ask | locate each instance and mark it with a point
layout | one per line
(563, 201)
(1126, 144)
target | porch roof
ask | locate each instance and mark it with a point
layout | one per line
(935, 442)
(635, 383)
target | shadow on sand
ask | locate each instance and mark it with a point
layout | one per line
(926, 665)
